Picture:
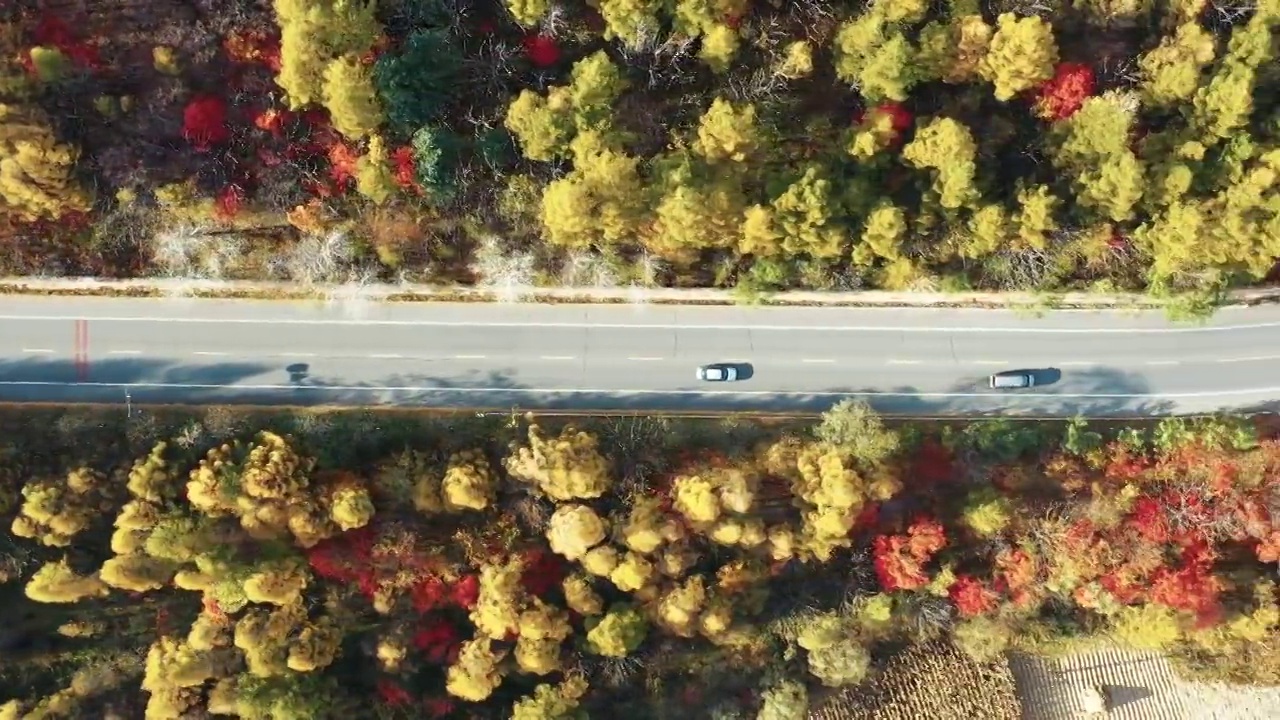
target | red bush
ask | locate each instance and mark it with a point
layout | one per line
(1063, 94)
(227, 204)
(972, 597)
(204, 122)
(541, 50)
(51, 31)
(342, 164)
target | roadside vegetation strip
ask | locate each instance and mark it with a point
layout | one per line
(366, 293)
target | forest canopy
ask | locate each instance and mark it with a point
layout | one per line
(748, 144)
(346, 563)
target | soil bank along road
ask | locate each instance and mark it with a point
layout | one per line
(643, 358)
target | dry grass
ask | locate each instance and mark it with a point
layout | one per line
(1137, 686)
(931, 680)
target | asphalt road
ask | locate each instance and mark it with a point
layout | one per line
(916, 361)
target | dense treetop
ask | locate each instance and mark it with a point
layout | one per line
(749, 143)
(515, 570)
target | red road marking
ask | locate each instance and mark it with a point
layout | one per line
(82, 350)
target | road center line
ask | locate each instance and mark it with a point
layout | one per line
(124, 352)
(557, 357)
(1162, 362)
(989, 362)
(817, 360)
(386, 356)
(295, 354)
(906, 362)
(1075, 363)
(212, 353)
(644, 359)
(468, 357)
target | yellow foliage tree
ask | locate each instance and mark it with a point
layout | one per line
(374, 178)
(498, 605)
(314, 33)
(477, 673)
(350, 97)
(56, 582)
(54, 513)
(946, 147)
(575, 529)
(469, 482)
(1171, 71)
(566, 467)
(719, 46)
(1022, 54)
(36, 171)
(726, 132)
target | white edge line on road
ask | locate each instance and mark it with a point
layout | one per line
(1005, 397)
(295, 354)
(36, 350)
(905, 362)
(1163, 362)
(468, 357)
(124, 352)
(645, 359)
(386, 356)
(817, 360)
(557, 357)
(214, 353)
(1077, 363)
(649, 326)
(1258, 358)
(988, 362)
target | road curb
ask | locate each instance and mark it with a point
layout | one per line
(340, 293)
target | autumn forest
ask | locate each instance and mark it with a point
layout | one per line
(750, 144)
(361, 564)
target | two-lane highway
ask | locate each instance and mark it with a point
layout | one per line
(927, 361)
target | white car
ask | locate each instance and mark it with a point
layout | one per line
(718, 373)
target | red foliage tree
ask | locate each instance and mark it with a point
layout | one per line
(52, 31)
(1268, 549)
(390, 693)
(342, 164)
(438, 641)
(1063, 94)
(542, 50)
(204, 122)
(1015, 570)
(542, 572)
(899, 559)
(1149, 519)
(900, 119)
(933, 462)
(972, 597)
(405, 170)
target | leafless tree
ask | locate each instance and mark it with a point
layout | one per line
(319, 258)
(187, 252)
(508, 275)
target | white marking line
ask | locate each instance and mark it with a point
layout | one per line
(124, 352)
(295, 354)
(644, 359)
(988, 362)
(386, 356)
(1076, 363)
(468, 357)
(1162, 362)
(906, 362)
(970, 330)
(557, 357)
(1001, 397)
(817, 360)
(1256, 358)
(36, 350)
(211, 353)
